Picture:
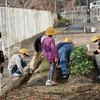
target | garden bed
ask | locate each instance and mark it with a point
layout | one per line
(80, 86)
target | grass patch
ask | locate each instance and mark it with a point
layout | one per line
(44, 66)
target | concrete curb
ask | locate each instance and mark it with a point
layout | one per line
(15, 81)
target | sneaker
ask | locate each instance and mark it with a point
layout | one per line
(64, 76)
(31, 71)
(98, 76)
(49, 83)
(17, 75)
(1, 75)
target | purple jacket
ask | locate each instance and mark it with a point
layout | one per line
(49, 49)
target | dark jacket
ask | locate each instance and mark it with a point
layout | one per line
(96, 52)
(37, 44)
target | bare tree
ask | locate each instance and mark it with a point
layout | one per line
(2, 2)
(32, 4)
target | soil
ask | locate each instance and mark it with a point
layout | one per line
(77, 87)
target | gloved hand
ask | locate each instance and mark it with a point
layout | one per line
(96, 52)
(25, 73)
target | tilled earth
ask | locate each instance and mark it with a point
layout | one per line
(76, 88)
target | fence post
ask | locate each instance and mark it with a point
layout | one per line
(73, 16)
(88, 47)
(0, 85)
(84, 29)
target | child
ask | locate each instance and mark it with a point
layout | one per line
(16, 64)
(36, 60)
(65, 49)
(96, 40)
(51, 54)
(2, 54)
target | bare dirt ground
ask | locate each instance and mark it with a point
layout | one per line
(76, 88)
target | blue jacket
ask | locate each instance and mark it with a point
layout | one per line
(64, 50)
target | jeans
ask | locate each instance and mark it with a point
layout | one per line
(64, 62)
(64, 67)
(15, 68)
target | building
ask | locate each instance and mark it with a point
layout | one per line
(95, 5)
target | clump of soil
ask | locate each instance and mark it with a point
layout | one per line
(76, 88)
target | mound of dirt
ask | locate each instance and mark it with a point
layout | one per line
(76, 88)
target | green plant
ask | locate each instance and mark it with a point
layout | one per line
(44, 65)
(63, 20)
(80, 64)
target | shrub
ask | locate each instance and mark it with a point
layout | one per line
(79, 62)
(63, 22)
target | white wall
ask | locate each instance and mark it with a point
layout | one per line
(23, 23)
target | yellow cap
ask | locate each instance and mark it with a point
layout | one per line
(95, 38)
(24, 51)
(51, 31)
(68, 39)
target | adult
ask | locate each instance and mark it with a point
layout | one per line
(65, 49)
